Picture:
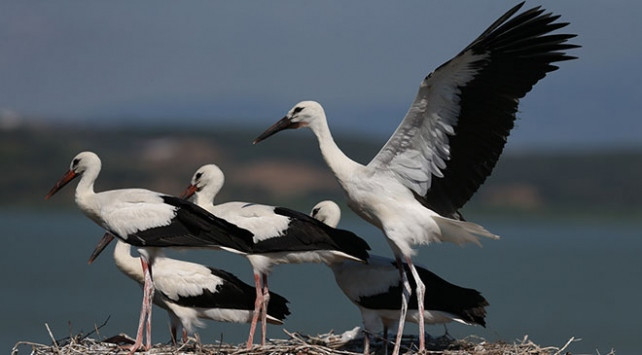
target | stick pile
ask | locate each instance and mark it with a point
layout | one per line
(348, 343)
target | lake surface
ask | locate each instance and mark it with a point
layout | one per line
(548, 279)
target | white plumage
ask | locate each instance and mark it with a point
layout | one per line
(281, 235)
(449, 140)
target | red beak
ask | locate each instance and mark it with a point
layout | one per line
(102, 244)
(69, 175)
(189, 191)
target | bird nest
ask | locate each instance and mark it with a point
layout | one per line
(348, 343)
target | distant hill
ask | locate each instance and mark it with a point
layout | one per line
(288, 170)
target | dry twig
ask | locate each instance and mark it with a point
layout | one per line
(321, 344)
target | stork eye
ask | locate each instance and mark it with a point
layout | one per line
(297, 110)
(315, 211)
(198, 176)
(75, 162)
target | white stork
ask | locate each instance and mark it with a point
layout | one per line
(449, 140)
(281, 235)
(375, 287)
(190, 291)
(149, 220)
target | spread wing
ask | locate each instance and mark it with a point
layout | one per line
(456, 128)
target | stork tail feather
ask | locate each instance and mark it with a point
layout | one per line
(461, 232)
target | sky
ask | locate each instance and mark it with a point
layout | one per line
(247, 62)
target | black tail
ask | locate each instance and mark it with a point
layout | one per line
(465, 303)
(278, 306)
(234, 294)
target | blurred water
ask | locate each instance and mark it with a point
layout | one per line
(549, 279)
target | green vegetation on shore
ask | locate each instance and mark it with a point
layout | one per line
(291, 171)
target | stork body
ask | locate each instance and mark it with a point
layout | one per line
(448, 142)
(375, 287)
(280, 235)
(190, 292)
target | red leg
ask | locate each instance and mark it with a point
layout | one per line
(150, 297)
(139, 333)
(405, 296)
(173, 330)
(257, 309)
(145, 308)
(421, 292)
(184, 335)
(266, 300)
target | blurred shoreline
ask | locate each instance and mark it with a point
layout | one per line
(290, 171)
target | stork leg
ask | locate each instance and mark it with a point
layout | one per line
(150, 297)
(146, 309)
(173, 329)
(257, 309)
(141, 324)
(366, 342)
(366, 335)
(172, 332)
(266, 300)
(421, 293)
(405, 296)
(385, 338)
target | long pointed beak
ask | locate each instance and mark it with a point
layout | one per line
(102, 244)
(284, 123)
(189, 191)
(69, 175)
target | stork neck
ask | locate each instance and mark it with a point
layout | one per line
(86, 197)
(86, 184)
(127, 263)
(340, 164)
(206, 196)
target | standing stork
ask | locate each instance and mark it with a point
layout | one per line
(449, 140)
(149, 221)
(281, 236)
(375, 287)
(190, 291)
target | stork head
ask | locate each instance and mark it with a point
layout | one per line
(207, 181)
(81, 163)
(303, 114)
(327, 212)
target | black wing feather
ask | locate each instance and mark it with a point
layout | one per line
(309, 234)
(520, 51)
(193, 226)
